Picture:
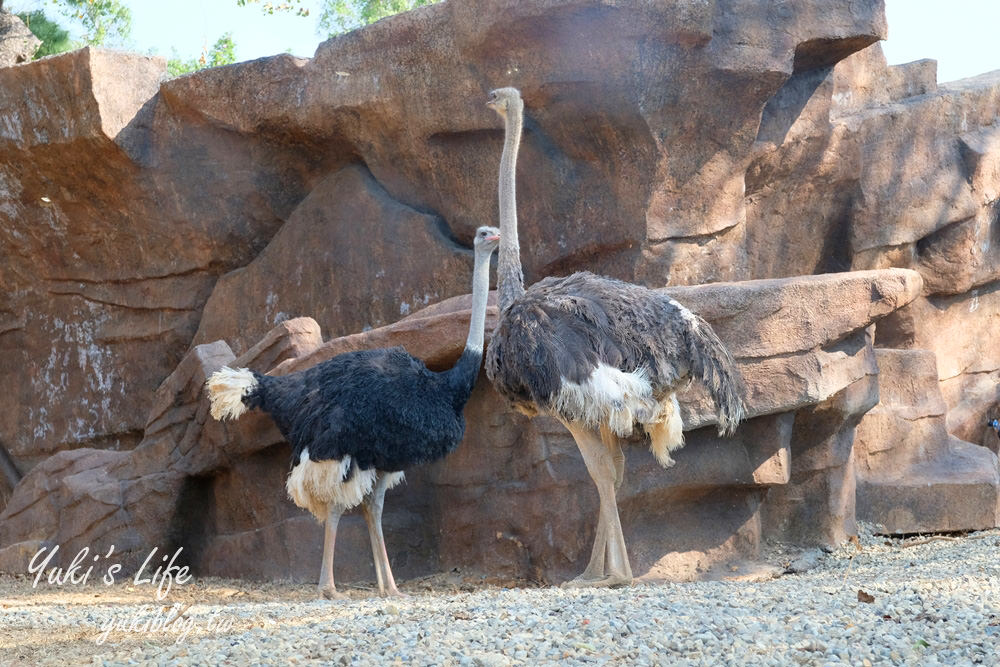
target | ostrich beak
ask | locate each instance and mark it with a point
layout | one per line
(493, 238)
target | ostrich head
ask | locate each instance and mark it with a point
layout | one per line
(503, 99)
(486, 240)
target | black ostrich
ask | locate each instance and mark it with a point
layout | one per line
(600, 355)
(356, 421)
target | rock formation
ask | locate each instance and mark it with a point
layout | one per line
(152, 230)
(17, 43)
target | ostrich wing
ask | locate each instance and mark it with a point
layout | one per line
(562, 329)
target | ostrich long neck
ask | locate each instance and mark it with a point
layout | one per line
(510, 278)
(480, 292)
(462, 376)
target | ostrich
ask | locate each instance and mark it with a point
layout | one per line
(600, 355)
(356, 421)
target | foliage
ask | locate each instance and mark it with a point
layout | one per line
(105, 22)
(109, 22)
(341, 16)
(55, 38)
(223, 52)
(270, 7)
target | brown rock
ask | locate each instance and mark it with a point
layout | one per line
(794, 315)
(291, 339)
(542, 507)
(958, 330)
(955, 492)
(17, 43)
(833, 149)
(973, 399)
(909, 421)
(863, 80)
(69, 494)
(959, 257)
(909, 161)
(108, 260)
(912, 476)
(345, 242)
(817, 505)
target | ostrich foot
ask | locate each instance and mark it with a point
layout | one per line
(603, 581)
(393, 593)
(331, 593)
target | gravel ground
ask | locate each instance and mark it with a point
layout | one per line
(931, 603)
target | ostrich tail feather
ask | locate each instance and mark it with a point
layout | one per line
(226, 389)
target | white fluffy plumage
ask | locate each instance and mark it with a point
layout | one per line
(618, 399)
(226, 389)
(609, 396)
(316, 485)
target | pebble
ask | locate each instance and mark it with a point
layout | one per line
(935, 603)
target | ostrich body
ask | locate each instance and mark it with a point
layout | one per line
(356, 421)
(600, 355)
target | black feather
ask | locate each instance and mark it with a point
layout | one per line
(382, 407)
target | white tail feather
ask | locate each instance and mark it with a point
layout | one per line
(226, 389)
(666, 431)
(393, 479)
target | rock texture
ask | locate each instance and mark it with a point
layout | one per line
(17, 43)
(913, 476)
(152, 229)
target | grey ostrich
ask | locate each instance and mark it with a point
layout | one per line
(356, 421)
(600, 355)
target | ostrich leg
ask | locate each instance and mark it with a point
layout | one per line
(372, 509)
(595, 568)
(327, 588)
(614, 446)
(609, 564)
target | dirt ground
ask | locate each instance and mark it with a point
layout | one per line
(69, 624)
(66, 642)
(61, 639)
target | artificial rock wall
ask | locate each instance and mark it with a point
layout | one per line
(155, 229)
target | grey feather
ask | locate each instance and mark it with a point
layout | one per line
(561, 329)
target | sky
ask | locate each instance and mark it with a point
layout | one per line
(185, 27)
(959, 34)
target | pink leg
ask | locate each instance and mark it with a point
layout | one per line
(609, 564)
(327, 588)
(372, 509)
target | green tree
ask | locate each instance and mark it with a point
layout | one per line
(270, 7)
(55, 38)
(105, 22)
(341, 16)
(223, 52)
